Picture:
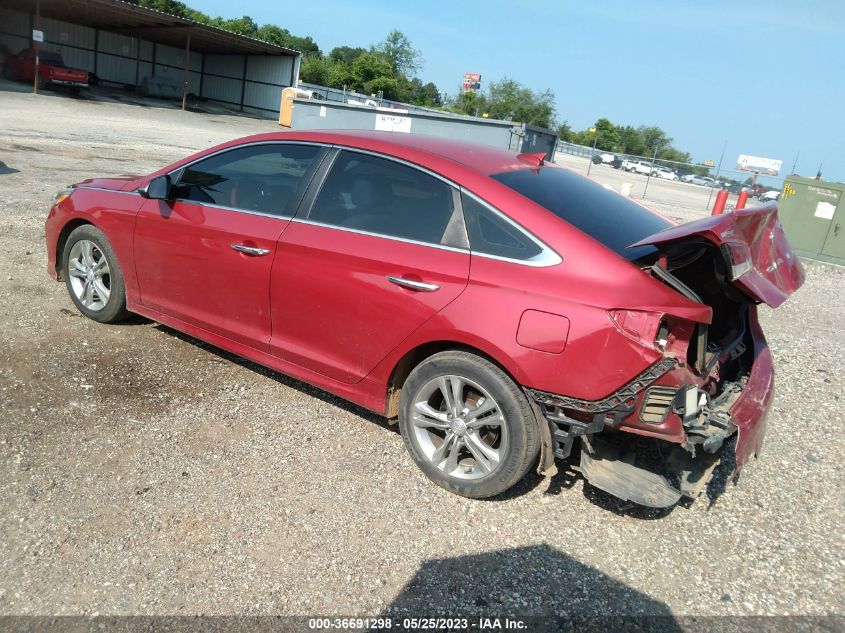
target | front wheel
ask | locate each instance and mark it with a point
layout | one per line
(467, 425)
(92, 275)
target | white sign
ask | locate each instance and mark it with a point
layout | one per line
(322, 111)
(768, 166)
(825, 210)
(37, 36)
(393, 123)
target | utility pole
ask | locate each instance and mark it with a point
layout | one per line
(795, 162)
(718, 168)
(36, 44)
(648, 178)
(595, 142)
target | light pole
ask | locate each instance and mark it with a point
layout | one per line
(595, 142)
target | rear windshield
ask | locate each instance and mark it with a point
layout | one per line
(602, 214)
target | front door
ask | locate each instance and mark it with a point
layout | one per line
(381, 251)
(205, 255)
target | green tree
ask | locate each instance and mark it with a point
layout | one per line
(242, 26)
(282, 37)
(315, 70)
(565, 132)
(369, 67)
(672, 157)
(608, 137)
(429, 95)
(511, 101)
(472, 103)
(170, 7)
(654, 138)
(630, 141)
(404, 58)
(346, 54)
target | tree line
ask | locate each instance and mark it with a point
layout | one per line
(390, 68)
(645, 140)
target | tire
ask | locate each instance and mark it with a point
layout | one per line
(96, 288)
(473, 458)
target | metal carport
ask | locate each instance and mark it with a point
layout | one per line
(123, 43)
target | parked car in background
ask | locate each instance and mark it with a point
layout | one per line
(756, 190)
(663, 172)
(772, 194)
(357, 261)
(636, 167)
(704, 181)
(52, 71)
(604, 158)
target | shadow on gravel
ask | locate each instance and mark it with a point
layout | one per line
(5, 169)
(561, 483)
(545, 588)
(293, 383)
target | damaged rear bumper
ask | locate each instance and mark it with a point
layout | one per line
(690, 462)
(751, 410)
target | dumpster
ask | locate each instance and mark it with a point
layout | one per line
(812, 213)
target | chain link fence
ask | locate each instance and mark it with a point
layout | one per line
(664, 181)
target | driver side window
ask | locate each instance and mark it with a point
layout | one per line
(259, 178)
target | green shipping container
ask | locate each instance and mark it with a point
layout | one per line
(812, 213)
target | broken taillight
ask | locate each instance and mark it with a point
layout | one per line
(737, 258)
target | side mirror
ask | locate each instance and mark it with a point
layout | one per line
(157, 189)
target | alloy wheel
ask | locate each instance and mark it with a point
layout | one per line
(459, 427)
(90, 276)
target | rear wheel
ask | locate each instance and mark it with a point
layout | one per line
(467, 425)
(92, 275)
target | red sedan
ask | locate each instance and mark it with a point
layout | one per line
(498, 307)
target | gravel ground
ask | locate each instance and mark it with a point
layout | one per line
(144, 472)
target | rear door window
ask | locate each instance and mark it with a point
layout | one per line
(490, 234)
(255, 178)
(381, 196)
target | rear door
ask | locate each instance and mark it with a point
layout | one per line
(381, 250)
(205, 255)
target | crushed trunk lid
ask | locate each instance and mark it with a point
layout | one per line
(759, 258)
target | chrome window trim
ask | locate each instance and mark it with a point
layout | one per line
(401, 161)
(245, 145)
(225, 208)
(394, 238)
(546, 257)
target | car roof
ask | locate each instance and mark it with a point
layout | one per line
(482, 158)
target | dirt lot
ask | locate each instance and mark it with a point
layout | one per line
(144, 472)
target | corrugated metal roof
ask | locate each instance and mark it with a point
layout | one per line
(149, 24)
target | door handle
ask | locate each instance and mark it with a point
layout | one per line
(250, 250)
(410, 284)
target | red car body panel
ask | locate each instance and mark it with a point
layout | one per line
(750, 412)
(320, 308)
(334, 310)
(186, 267)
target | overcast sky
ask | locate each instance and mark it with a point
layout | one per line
(767, 77)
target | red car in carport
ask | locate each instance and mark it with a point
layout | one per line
(500, 308)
